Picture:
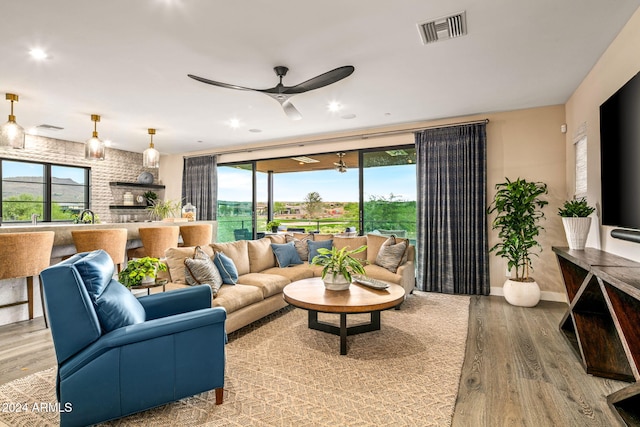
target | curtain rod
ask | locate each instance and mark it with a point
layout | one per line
(341, 138)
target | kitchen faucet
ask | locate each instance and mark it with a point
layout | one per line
(81, 216)
(34, 218)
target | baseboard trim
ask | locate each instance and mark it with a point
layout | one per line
(544, 295)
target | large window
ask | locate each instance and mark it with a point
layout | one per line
(372, 190)
(53, 192)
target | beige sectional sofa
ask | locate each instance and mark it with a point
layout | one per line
(258, 291)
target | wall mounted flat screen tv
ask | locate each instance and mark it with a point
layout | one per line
(620, 156)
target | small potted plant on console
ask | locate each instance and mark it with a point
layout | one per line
(575, 218)
(141, 271)
(339, 265)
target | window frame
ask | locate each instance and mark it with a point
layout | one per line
(47, 193)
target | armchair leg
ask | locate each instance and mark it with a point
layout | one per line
(219, 394)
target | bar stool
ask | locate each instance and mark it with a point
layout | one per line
(26, 255)
(155, 241)
(196, 234)
(113, 241)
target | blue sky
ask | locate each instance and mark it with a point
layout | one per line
(235, 184)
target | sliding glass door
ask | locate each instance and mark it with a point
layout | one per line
(389, 192)
(235, 202)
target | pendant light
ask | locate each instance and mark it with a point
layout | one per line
(94, 147)
(151, 156)
(11, 133)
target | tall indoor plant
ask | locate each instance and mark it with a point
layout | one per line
(339, 265)
(576, 221)
(519, 210)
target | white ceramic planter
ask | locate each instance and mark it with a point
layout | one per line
(576, 230)
(521, 294)
(338, 283)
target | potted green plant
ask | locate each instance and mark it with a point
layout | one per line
(576, 221)
(273, 226)
(141, 271)
(519, 210)
(162, 209)
(338, 266)
(150, 197)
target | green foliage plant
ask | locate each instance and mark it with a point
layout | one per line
(273, 224)
(138, 269)
(339, 261)
(519, 209)
(150, 196)
(162, 209)
(577, 208)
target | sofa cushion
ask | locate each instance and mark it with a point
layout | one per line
(293, 273)
(374, 242)
(115, 305)
(270, 284)
(226, 267)
(391, 253)
(352, 243)
(286, 254)
(260, 255)
(314, 246)
(235, 297)
(201, 270)
(317, 237)
(277, 238)
(300, 243)
(382, 273)
(175, 261)
(238, 251)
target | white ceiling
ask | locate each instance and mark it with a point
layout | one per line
(128, 61)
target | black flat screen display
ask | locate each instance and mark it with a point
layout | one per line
(620, 156)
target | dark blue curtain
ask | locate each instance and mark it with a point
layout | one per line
(199, 178)
(452, 251)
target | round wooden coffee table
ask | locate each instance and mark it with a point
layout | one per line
(311, 295)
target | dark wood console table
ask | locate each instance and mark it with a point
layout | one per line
(603, 321)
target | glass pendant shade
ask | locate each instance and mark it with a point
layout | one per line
(151, 156)
(11, 133)
(94, 147)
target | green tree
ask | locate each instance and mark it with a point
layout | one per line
(313, 204)
(279, 207)
(20, 207)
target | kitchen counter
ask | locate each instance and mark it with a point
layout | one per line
(63, 241)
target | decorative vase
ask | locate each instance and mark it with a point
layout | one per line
(336, 283)
(521, 294)
(576, 230)
(148, 280)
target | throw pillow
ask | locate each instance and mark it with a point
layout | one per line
(301, 245)
(201, 270)
(391, 254)
(226, 268)
(314, 246)
(286, 254)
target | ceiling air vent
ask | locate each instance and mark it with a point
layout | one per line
(49, 127)
(444, 28)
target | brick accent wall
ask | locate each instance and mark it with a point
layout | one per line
(118, 165)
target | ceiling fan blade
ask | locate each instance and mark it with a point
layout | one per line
(322, 80)
(291, 111)
(220, 84)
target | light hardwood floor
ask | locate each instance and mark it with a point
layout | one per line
(518, 370)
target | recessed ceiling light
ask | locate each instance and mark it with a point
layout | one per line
(234, 123)
(334, 106)
(349, 116)
(38, 54)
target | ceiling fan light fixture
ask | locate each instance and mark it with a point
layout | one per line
(151, 156)
(340, 165)
(11, 133)
(94, 148)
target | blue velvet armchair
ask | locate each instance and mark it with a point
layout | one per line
(118, 354)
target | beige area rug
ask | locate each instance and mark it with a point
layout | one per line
(280, 373)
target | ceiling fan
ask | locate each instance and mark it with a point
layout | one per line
(340, 165)
(282, 93)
